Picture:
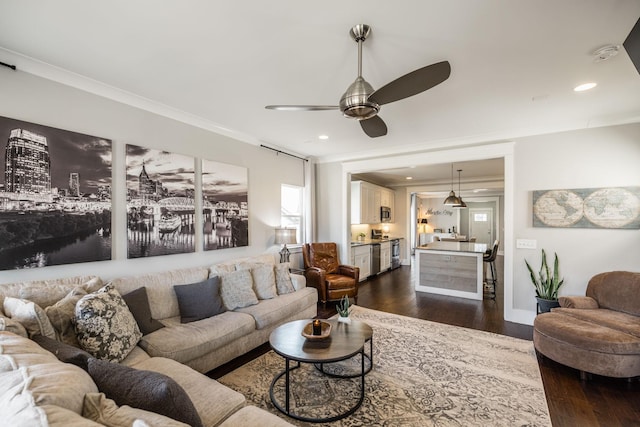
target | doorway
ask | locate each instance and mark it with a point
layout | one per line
(481, 225)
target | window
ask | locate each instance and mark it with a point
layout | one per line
(292, 207)
(480, 217)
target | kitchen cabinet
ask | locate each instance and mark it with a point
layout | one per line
(385, 256)
(361, 257)
(366, 199)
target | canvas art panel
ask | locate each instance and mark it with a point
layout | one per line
(55, 196)
(225, 205)
(160, 202)
(613, 208)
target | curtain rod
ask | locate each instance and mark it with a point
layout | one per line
(283, 152)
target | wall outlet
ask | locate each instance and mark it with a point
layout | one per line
(526, 244)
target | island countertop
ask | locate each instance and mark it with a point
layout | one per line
(455, 247)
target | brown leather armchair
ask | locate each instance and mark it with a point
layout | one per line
(324, 272)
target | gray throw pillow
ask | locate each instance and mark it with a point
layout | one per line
(151, 391)
(64, 352)
(198, 301)
(283, 279)
(237, 290)
(138, 303)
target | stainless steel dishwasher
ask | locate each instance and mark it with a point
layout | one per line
(375, 258)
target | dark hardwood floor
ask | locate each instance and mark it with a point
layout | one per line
(598, 402)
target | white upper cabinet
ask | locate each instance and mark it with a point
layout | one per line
(366, 199)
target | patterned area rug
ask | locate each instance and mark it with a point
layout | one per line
(424, 374)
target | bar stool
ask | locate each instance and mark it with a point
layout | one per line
(490, 259)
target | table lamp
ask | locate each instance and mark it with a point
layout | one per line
(284, 236)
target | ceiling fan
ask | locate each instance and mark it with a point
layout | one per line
(362, 102)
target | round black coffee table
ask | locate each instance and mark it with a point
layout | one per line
(346, 340)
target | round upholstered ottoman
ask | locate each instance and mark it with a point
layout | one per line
(586, 345)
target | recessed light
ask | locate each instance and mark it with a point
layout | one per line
(323, 136)
(409, 177)
(585, 86)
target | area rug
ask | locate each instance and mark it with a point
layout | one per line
(424, 374)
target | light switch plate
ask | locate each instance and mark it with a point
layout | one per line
(526, 244)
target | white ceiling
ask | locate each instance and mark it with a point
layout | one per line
(217, 64)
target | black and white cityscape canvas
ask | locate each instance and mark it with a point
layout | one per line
(160, 202)
(225, 207)
(55, 196)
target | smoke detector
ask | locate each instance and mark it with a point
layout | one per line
(605, 52)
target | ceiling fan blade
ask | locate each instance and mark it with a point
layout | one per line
(374, 127)
(413, 83)
(302, 107)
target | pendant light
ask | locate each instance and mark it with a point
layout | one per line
(462, 204)
(452, 200)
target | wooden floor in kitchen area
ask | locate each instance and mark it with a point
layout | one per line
(572, 402)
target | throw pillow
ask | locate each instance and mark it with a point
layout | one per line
(97, 407)
(199, 300)
(31, 315)
(61, 316)
(104, 325)
(283, 279)
(151, 391)
(64, 352)
(6, 324)
(138, 303)
(264, 281)
(237, 290)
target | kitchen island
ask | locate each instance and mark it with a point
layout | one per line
(451, 268)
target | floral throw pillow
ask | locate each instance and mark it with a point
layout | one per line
(104, 325)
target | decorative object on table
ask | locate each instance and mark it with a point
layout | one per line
(546, 284)
(617, 207)
(343, 310)
(323, 329)
(361, 237)
(284, 236)
(452, 199)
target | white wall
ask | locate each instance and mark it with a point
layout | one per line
(593, 158)
(33, 99)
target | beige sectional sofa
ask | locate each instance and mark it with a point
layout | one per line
(38, 389)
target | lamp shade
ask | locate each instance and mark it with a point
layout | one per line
(285, 236)
(452, 199)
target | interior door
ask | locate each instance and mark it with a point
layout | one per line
(481, 225)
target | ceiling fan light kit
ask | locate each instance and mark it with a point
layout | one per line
(361, 102)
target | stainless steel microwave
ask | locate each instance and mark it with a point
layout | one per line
(385, 214)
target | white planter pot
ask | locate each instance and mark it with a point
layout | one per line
(344, 319)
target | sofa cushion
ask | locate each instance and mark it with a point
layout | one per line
(264, 281)
(237, 290)
(616, 290)
(253, 416)
(284, 284)
(148, 390)
(48, 292)
(187, 341)
(104, 325)
(273, 311)
(198, 301)
(62, 313)
(213, 401)
(585, 334)
(6, 324)
(578, 302)
(138, 303)
(64, 352)
(97, 407)
(162, 298)
(30, 315)
(31, 376)
(617, 320)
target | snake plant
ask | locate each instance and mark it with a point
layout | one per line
(546, 285)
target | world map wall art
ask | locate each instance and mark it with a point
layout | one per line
(612, 208)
